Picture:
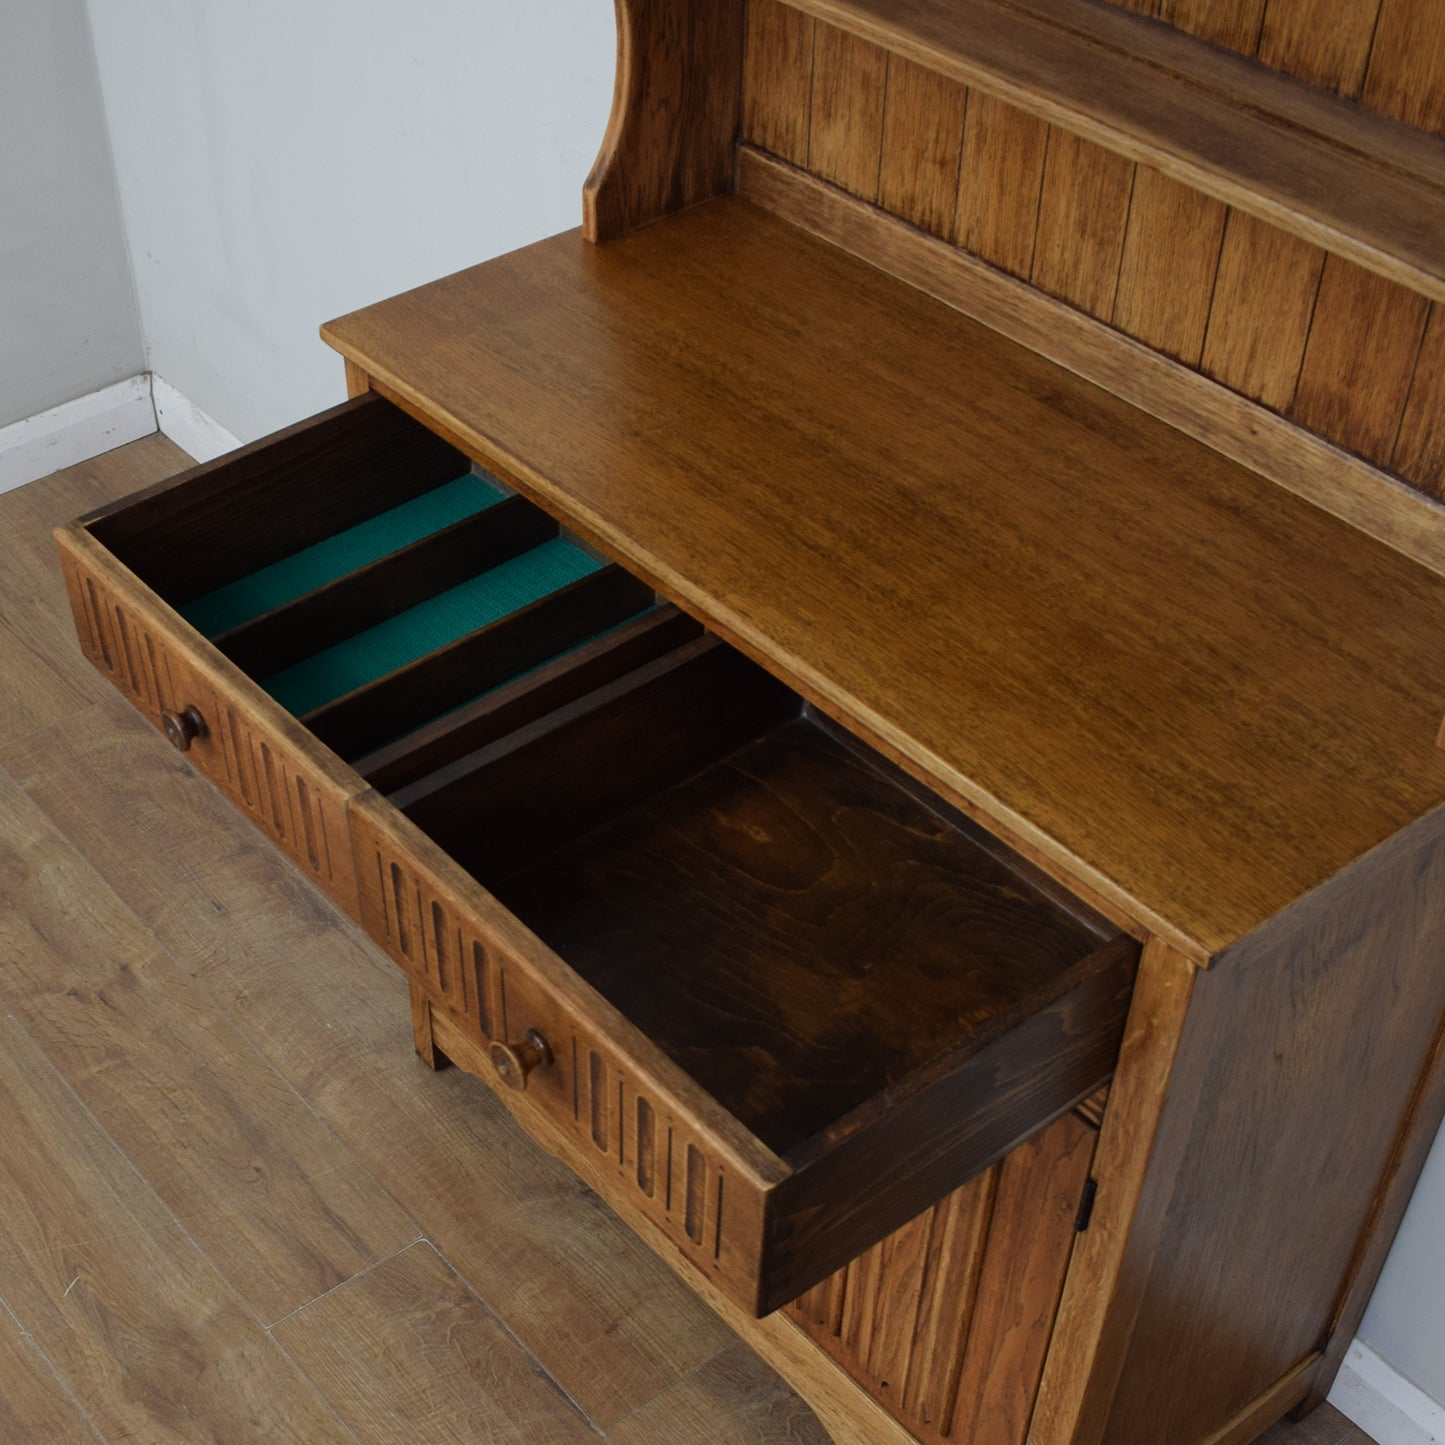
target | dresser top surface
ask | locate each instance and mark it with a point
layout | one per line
(1195, 692)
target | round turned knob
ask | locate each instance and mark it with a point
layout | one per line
(513, 1062)
(183, 727)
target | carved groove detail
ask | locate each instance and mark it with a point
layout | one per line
(666, 1168)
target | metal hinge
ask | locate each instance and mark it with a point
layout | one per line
(1086, 1205)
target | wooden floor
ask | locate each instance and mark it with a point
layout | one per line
(233, 1205)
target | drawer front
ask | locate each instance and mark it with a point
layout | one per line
(294, 794)
(663, 1155)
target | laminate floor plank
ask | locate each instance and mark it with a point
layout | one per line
(276, 1201)
(141, 1329)
(410, 1356)
(731, 1399)
(612, 1323)
(34, 1405)
(180, 973)
(1325, 1426)
(38, 684)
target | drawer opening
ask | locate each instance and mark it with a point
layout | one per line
(793, 921)
(365, 577)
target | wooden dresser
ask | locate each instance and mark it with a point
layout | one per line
(884, 692)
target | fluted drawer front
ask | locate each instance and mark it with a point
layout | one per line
(293, 790)
(669, 1151)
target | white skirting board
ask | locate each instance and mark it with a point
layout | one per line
(1383, 1403)
(75, 432)
(187, 425)
(108, 418)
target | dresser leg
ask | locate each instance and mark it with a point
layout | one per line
(421, 1030)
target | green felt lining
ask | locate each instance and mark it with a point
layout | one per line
(429, 626)
(334, 557)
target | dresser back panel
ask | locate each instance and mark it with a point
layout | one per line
(1387, 54)
(1338, 350)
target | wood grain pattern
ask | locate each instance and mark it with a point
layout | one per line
(1364, 343)
(676, 103)
(614, 1327)
(147, 1337)
(388, 707)
(1326, 42)
(1039, 1188)
(1407, 64)
(34, 1404)
(1170, 259)
(1001, 175)
(1263, 303)
(1300, 461)
(351, 603)
(239, 1159)
(845, 138)
(1103, 1286)
(947, 1320)
(1083, 212)
(409, 1340)
(512, 706)
(292, 789)
(923, 122)
(1233, 24)
(729, 507)
(1258, 1294)
(1420, 446)
(778, 79)
(1263, 142)
(850, 1415)
(773, 988)
(264, 501)
(731, 1400)
(501, 982)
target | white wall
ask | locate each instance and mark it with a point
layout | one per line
(68, 320)
(281, 163)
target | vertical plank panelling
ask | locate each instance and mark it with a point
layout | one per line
(1406, 77)
(845, 141)
(778, 79)
(1420, 447)
(1233, 24)
(923, 122)
(1264, 296)
(950, 1291)
(1361, 357)
(1029, 1246)
(1000, 176)
(903, 1258)
(1083, 211)
(1220, 291)
(1326, 42)
(1171, 256)
(963, 1297)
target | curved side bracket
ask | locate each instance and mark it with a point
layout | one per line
(675, 113)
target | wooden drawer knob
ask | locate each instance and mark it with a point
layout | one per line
(183, 727)
(514, 1062)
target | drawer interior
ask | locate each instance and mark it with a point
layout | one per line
(796, 923)
(371, 599)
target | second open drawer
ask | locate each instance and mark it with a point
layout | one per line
(773, 993)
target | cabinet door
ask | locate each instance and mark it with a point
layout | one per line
(947, 1321)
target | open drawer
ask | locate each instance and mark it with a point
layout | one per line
(313, 597)
(781, 995)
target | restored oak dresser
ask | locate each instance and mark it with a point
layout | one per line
(884, 692)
